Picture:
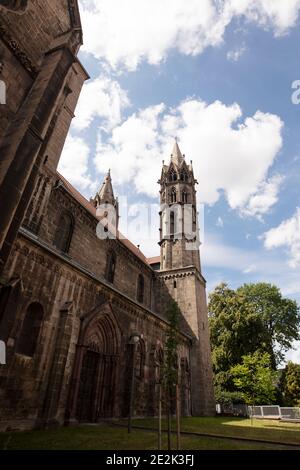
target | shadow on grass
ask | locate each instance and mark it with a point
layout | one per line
(235, 427)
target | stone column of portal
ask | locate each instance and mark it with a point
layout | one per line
(24, 138)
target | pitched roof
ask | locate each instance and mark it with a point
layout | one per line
(154, 260)
(93, 211)
(106, 192)
(176, 156)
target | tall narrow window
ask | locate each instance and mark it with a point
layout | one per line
(140, 355)
(173, 175)
(173, 195)
(4, 297)
(159, 365)
(172, 224)
(140, 289)
(64, 232)
(183, 176)
(110, 266)
(30, 330)
(184, 197)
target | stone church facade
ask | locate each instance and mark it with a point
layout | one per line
(71, 302)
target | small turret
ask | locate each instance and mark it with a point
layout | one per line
(105, 199)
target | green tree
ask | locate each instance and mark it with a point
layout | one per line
(279, 316)
(255, 317)
(255, 379)
(290, 384)
(236, 330)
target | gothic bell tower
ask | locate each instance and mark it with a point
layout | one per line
(180, 273)
(179, 234)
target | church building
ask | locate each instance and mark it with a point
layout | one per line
(72, 304)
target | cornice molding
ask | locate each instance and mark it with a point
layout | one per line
(178, 273)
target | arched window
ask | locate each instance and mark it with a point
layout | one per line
(173, 195)
(140, 288)
(64, 232)
(140, 356)
(30, 330)
(184, 197)
(172, 175)
(183, 176)
(110, 266)
(172, 224)
(5, 292)
(159, 365)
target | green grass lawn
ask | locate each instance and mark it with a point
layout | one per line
(272, 430)
(105, 437)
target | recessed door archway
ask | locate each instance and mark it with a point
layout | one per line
(95, 370)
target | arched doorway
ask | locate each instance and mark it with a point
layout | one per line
(96, 369)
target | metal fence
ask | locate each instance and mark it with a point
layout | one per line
(290, 413)
(232, 410)
(263, 412)
(274, 412)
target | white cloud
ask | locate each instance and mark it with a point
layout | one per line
(294, 354)
(103, 98)
(125, 33)
(250, 269)
(73, 164)
(235, 54)
(287, 234)
(257, 265)
(133, 152)
(230, 156)
(272, 14)
(265, 197)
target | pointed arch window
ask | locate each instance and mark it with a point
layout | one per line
(172, 224)
(159, 363)
(30, 330)
(140, 356)
(184, 197)
(64, 232)
(173, 195)
(140, 288)
(110, 266)
(173, 175)
(184, 176)
(5, 292)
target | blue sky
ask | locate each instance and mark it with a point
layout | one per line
(218, 74)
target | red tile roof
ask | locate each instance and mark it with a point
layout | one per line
(154, 260)
(92, 210)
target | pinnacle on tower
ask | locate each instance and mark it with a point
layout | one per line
(106, 193)
(176, 156)
(105, 198)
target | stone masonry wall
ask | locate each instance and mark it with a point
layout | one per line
(26, 397)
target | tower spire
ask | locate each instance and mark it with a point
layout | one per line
(105, 197)
(176, 156)
(106, 192)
